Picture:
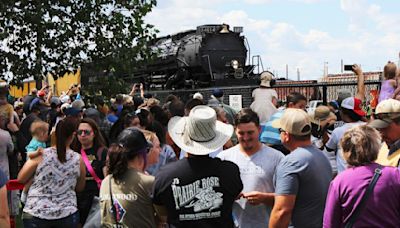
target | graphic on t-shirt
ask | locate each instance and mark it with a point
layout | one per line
(119, 211)
(199, 196)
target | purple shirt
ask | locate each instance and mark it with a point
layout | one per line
(382, 208)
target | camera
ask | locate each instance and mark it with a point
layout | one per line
(348, 67)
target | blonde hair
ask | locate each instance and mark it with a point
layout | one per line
(38, 127)
(149, 135)
(360, 145)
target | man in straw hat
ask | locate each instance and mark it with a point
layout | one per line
(387, 121)
(257, 164)
(198, 191)
(302, 177)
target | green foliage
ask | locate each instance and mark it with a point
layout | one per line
(56, 36)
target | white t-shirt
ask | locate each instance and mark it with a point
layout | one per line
(257, 172)
(262, 103)
(334, 141)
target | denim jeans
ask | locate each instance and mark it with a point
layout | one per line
(70, 221)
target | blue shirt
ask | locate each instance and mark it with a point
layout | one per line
(34, 144)
(269, 134)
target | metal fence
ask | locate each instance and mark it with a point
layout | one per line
(313, 91)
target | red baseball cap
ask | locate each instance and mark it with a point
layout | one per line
(41, 93)
(354, 104)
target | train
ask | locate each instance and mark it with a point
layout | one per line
(197, 58)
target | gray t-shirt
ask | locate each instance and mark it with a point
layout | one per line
(306, 173)
(334, 142)
(257, 172)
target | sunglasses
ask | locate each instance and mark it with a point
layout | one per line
(281, 130)
(383, 116)
(85, 132)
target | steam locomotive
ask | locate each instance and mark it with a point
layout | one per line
(197, 58)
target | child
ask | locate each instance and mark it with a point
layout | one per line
(389, 83)
(40, 131)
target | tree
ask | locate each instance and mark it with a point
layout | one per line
(56, 36)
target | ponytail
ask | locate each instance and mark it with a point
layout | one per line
(64, 131)
(118, 161)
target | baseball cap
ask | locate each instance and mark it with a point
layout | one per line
(78, 104)
(385, 113)
(322, 115)
(353, 104)
(294, 121)
(217, 92)
(41, 93)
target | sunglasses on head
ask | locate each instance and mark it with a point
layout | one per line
(85, 132)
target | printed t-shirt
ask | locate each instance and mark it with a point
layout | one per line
(198, 191)
(132, 200)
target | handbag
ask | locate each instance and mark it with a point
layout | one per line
(94, 217)
(353, 218)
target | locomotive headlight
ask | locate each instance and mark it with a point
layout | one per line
(235, 64)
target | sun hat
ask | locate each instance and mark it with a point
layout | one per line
(266, 78)
(322, 115)
(199, 133)
(353, 104)
(294, 121)
(385, 113)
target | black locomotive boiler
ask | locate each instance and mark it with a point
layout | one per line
(197, 58)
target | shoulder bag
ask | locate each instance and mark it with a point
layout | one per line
(353, 218)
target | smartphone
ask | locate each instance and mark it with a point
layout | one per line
(348, 67)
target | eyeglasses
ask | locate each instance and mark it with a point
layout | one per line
(86, 132)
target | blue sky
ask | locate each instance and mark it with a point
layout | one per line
(304, 34)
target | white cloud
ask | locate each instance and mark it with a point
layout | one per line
(373, 36)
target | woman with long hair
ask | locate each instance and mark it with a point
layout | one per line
(125, 193)
(57, 173)
(90, 143)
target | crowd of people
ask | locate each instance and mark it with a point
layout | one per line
(141, 162)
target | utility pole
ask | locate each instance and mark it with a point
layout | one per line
(325, 69)
(341, 66)
(287, 71)
(298, 74)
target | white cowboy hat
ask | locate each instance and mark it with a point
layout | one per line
(199, 133)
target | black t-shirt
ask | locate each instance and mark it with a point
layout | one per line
(198, 191)
(97, 164)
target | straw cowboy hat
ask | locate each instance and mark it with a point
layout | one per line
(199, 133)
(322, 116)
